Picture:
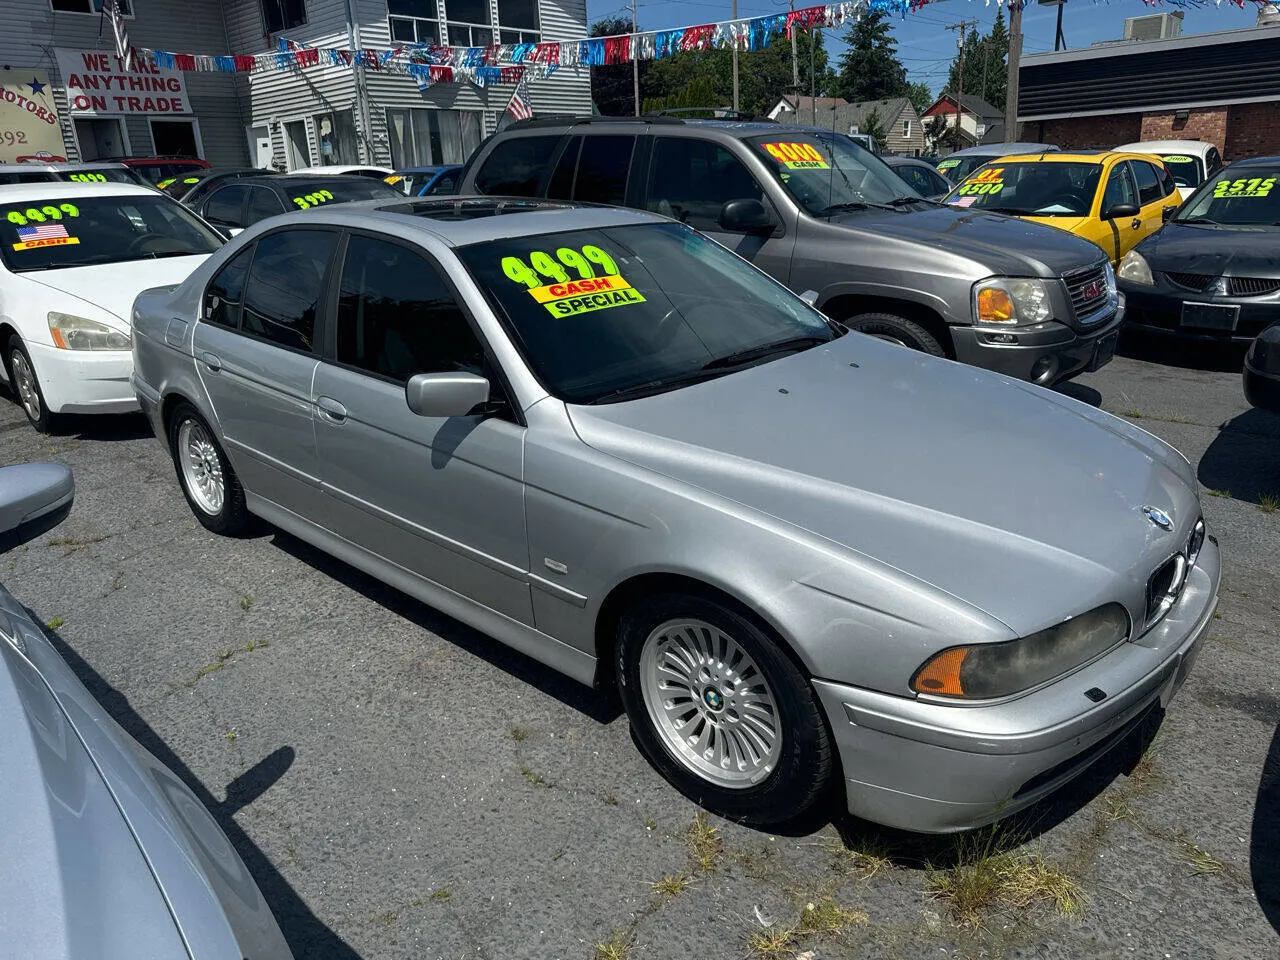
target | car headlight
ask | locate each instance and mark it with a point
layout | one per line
(986, 671)
(1135, 269)
(79, 333)
(1011, 301)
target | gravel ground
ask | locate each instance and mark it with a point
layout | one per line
(403, 787)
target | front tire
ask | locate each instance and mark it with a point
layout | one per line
(208, 481)
(895, 329)
(26, 385)
(721, 711)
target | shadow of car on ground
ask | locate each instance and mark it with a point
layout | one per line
(1217, 355)
(1264, 845)
(1244, 459)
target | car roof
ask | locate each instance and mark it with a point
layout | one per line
(1003, 149)
(1270, 161)
(478, 219)
(72, 167)
(158, 159)
(60, 190)
(337, 168)
(1198, 147)
(904, 161)
(432, 168)
(1075, 156)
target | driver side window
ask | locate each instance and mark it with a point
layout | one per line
(1120, 188)
(691, 180)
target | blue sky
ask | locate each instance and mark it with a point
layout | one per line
(926, 48)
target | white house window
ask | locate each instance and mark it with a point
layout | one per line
(518, 21)
(468, 23)
(420, 136)
(88, 6)
(283, 14)
(906, 128)
(414, 21)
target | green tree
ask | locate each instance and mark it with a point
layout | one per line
(921, 96)
(874, 127)
(985, 72)
(870, 68)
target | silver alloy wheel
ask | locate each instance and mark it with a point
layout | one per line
(24, 380)
(201, 467)
(710, 703)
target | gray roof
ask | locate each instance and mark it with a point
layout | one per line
(842, 117)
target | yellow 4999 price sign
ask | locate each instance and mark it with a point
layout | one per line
(565, 295)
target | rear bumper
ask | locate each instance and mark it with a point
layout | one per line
(84, 381)
(938, 768)
(148, 400)
(1044, 354)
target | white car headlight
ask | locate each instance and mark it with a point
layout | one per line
(1009, 301)
(79, 333)
(1135, 269)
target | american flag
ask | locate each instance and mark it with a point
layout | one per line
(521, 106)
(45, 231)
(124, 50)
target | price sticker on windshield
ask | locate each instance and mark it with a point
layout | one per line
(87, 177)
(42, 226)
(568, 294)
(987, 182)
(308, 200)
(948, 164)
(1256, 187)
(1172, 159)
(797, 156)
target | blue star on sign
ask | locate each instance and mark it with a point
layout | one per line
(36, 86)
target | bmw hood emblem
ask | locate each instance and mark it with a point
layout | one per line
(1158, 517)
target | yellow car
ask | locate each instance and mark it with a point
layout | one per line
(1114, 199)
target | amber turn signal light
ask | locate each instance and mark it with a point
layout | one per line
(941, 675)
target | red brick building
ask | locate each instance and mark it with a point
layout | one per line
(1222, 88)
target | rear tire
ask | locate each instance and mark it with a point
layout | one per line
(721, 710)
(205, 474)
(895, 329)
(26, 386)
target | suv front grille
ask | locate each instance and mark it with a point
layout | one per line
(1088, 291)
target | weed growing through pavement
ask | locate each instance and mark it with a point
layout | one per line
(55, 623)
(671, 886)
(704, 842)
(1134, 414)
(617, 947)
(869, 858)
(609, 799)
(246, 602)
(537, 779)
(1202, 862)
(826, 916)
(1225, 494)
(1269, 502)
(387, 918)
(231, 735)
(441, 895)
(519, 734)
(73, 544)
(773, 944)
(224, 657)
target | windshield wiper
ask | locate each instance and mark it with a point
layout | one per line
(851, 205)
(903, 201)
(764, 351)
(652, 387)
(1198, 220)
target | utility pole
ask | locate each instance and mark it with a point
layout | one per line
(795, 59)
(1015, 58)
(364, 139)
(962, 26)
(735, 61)
(635, 60)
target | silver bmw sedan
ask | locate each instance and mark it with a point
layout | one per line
(801, 555)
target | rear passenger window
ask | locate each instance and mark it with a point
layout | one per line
(602, 170)
(561, 185)
(691, 180)
(516, 167)
(226, 205)
(1149, 188)
(1167, 182)
(397, 316)
(262, 204)
(285, 284)
(225, 293)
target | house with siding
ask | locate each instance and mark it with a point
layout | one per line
(904, 131)
(287, 118)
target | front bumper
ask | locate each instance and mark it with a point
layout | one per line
(1158, 309)
(937, 768)
(84, 381)
(1044, 354)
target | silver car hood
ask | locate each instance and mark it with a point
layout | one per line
(1019, 501)
(77, 885)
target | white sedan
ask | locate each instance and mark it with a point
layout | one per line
(72, 258)
(344, 170)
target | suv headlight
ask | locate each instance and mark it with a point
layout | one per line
(986, 671)
(1009, 301)
(79, 333)
(1135, 269)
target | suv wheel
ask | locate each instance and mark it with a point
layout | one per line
(895, 329)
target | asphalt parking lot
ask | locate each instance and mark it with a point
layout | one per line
(403, 787)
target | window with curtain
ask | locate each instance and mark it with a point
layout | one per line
(337, 135)
(420, 136)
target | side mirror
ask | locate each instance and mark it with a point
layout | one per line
(34, 498)
(1167, 213)
(746, 216)
(810, 297)
(445, 394)
(1121, 210)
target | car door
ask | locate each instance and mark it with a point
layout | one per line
(691, 180)
(1151, 199)
(440, 497)
(1114, 235)
(225, 208)
(256, 354)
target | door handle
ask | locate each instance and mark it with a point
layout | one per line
(331, 409)
(1137, 223)
(211, 361)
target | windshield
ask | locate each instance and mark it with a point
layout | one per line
(637, 310)
(51, 234)
(313, 191)
(956, 169)
(1237, 199)
(830, 174)
(1187, 171)
(101, 175)
(1030, 188)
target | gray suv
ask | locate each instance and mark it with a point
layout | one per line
(822, 215)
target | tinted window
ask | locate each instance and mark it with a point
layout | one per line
(225, 294)
(1119, 188)
(307, 193)
(397, 316)
(516, 167)
(602, 169)
(446, 183)
(1212, 159)
(226, 205)
(263, 203)
(561, 185)
(1237, 195)
(284, 288)
(690, 180)
(1149, 188)
(105, 175)
(1167, 182)
(26, 176)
